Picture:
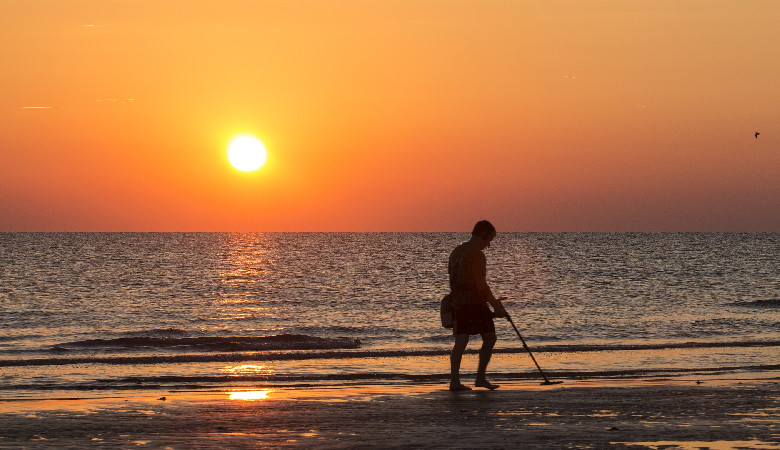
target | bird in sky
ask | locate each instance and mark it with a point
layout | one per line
(757, 133)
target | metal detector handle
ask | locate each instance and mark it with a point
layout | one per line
(509, 318)
(528, 349)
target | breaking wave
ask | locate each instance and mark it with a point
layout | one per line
(770, 303)
(301, 347)
(211, 343)
(223, 381)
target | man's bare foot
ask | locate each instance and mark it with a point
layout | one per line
(459, 387)
(486, 384)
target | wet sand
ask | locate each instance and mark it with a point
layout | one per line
(616, 414)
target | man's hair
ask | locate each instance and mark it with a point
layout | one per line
(484, 228)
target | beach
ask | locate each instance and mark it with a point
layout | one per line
(713, 413)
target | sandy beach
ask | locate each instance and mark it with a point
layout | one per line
(619, 414)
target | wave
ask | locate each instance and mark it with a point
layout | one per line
(308, 354)
(573, 348)
(196, 382)
(212, 343)
(770, 303)
(156, 332)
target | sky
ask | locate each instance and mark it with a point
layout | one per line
(396, 115)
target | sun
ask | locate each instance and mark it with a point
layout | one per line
(246, 153)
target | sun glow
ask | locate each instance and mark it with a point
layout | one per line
(246, 153)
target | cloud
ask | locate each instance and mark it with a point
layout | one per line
(115, 100)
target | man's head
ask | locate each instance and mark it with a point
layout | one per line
(485, 231)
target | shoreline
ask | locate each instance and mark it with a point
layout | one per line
(635, 413)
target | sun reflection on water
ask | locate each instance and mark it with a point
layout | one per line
(244, 369)
(261, 394)
(244, 260)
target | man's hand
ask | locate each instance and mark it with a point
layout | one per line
(500, 311)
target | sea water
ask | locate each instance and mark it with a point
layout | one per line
(86, 313)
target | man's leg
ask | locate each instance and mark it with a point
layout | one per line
(488, 341)
(461, 341)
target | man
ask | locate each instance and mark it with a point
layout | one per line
(470, 298)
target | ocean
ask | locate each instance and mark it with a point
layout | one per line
(93, 314)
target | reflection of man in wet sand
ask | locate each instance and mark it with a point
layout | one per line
(470, 297)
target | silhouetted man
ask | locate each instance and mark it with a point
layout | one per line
(470, 298)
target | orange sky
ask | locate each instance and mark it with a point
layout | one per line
(419, 115)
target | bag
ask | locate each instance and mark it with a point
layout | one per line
(446, 311)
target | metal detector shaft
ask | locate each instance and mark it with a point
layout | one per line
(546, 381)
